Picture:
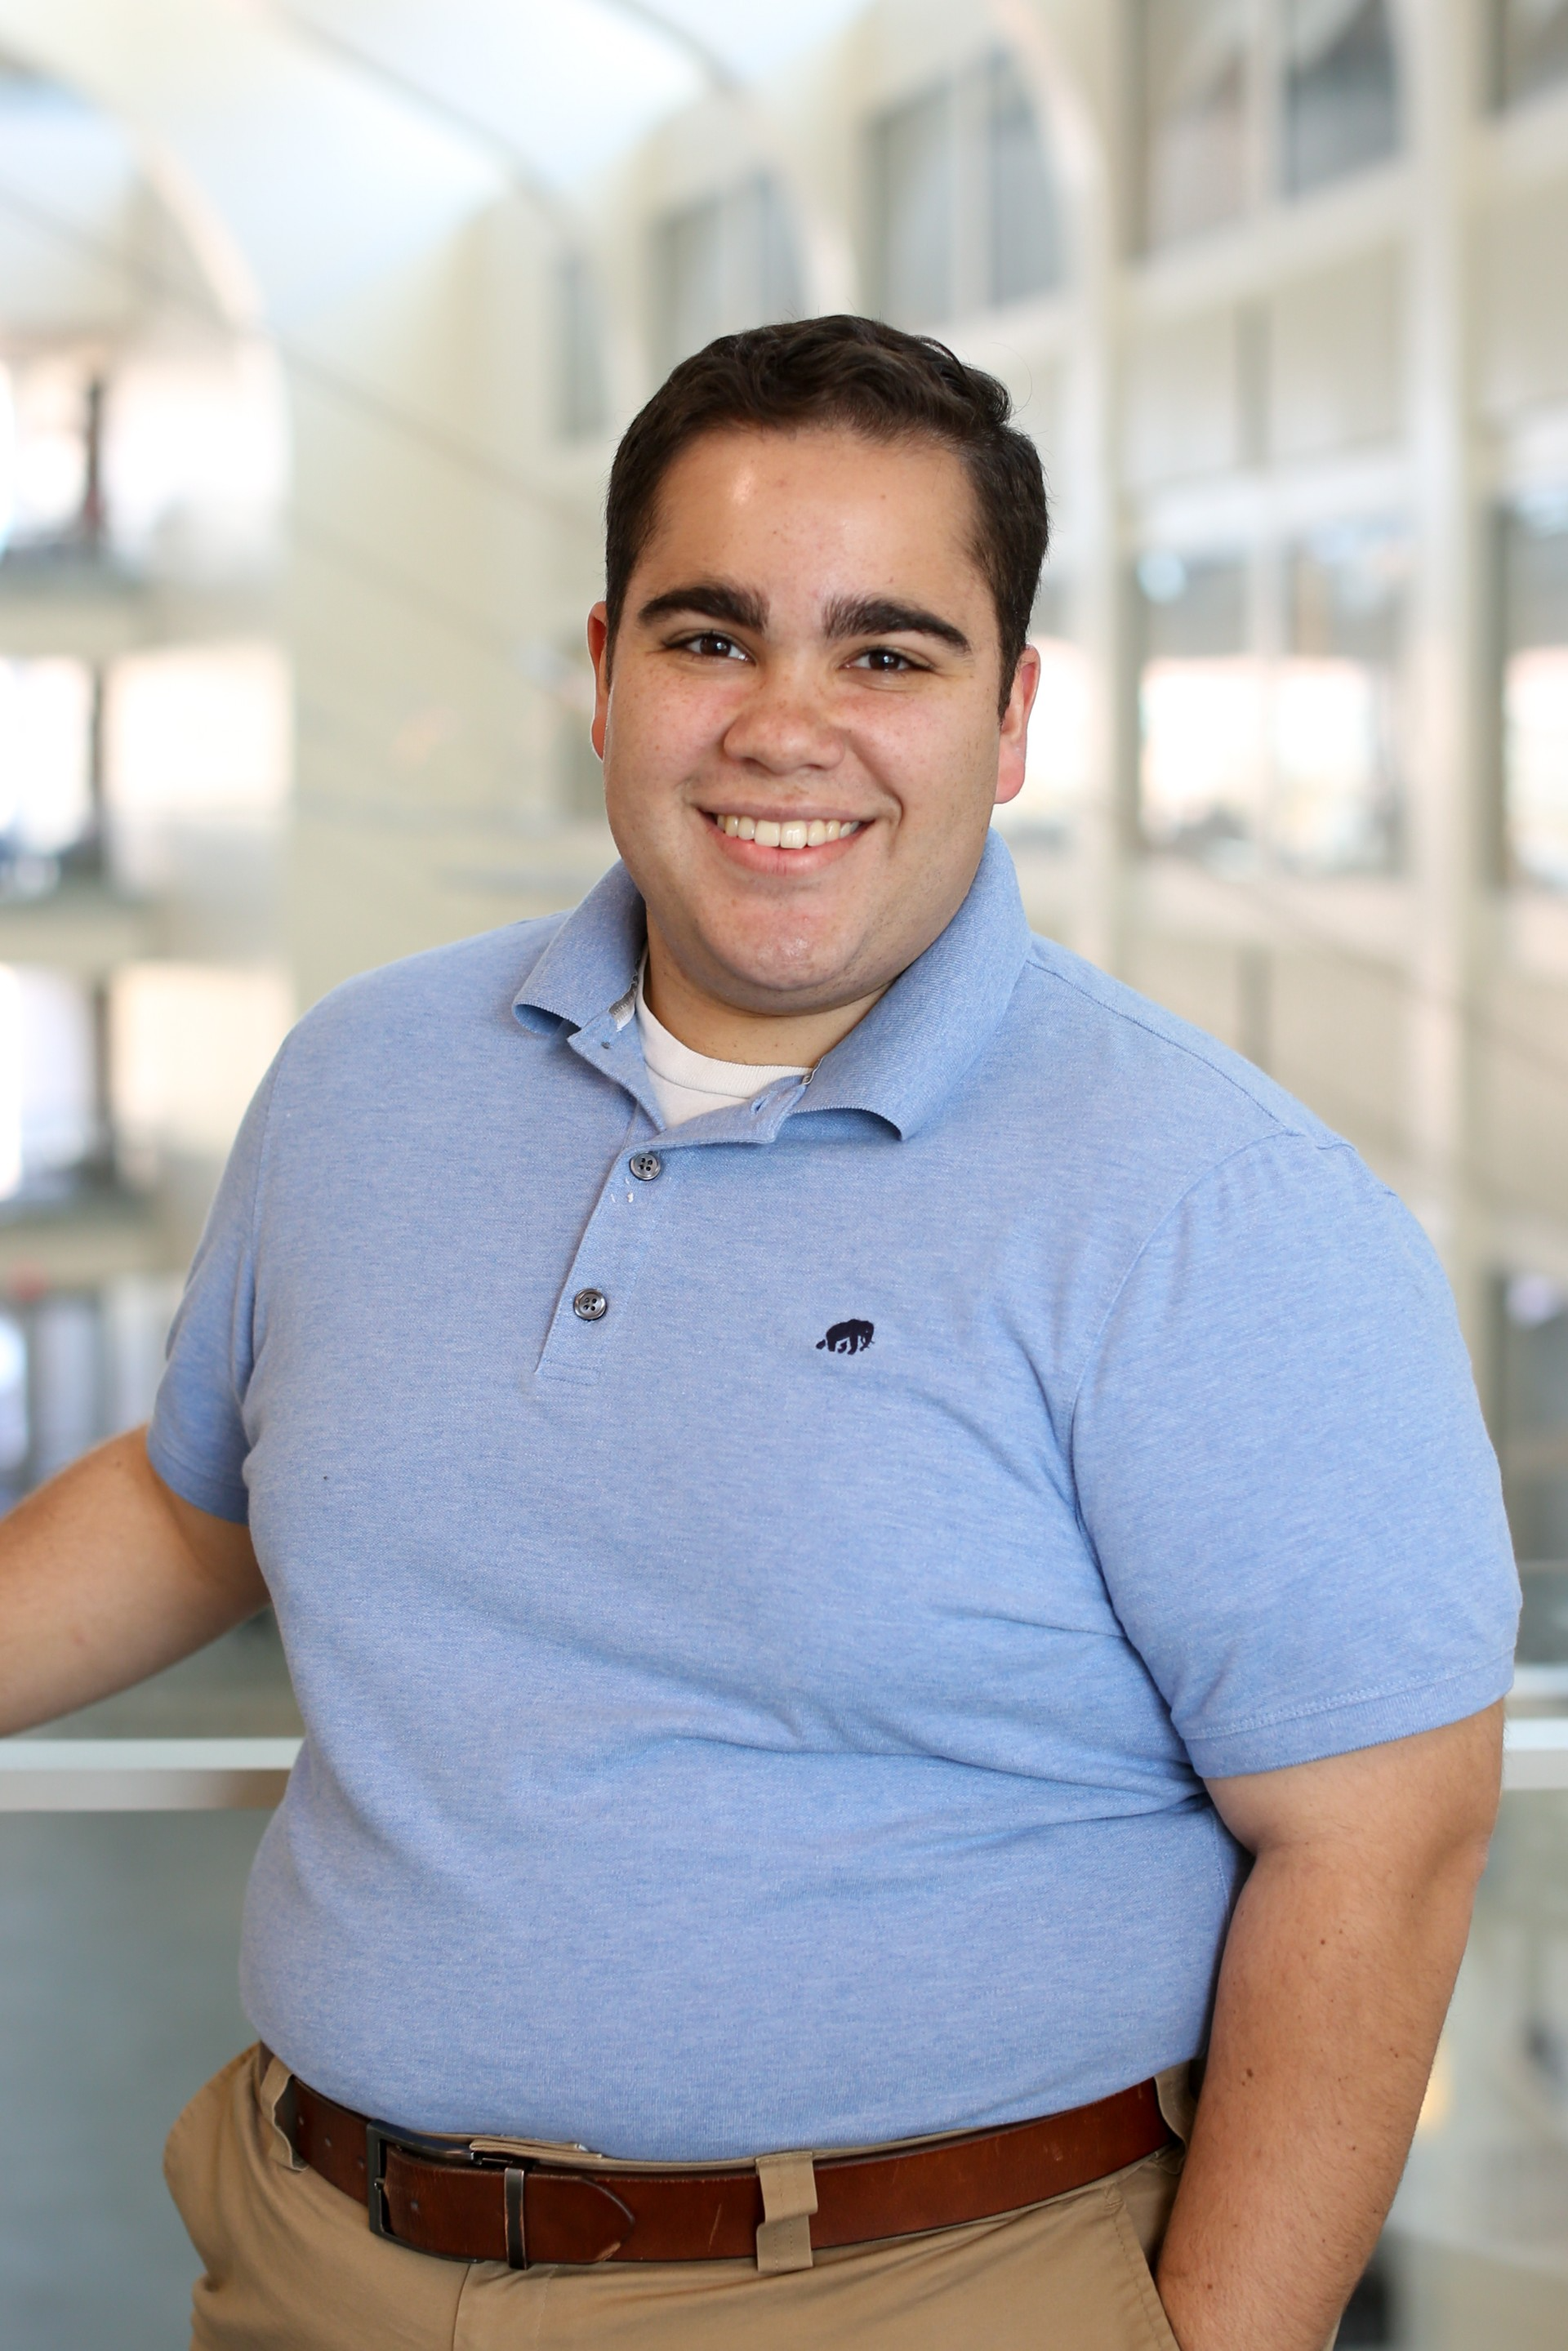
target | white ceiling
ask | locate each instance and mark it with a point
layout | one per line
(566, 86)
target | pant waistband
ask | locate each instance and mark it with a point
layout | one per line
(476, 2200)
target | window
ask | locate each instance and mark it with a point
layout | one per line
(1535, 692)
(1535, 1414)
(1217, 130)
(1531, 47)
(1023, 222)
(51, 1124)
(1336, 796)
(914, 184)
(1341, 96)
(1197, 73)
(77, 1366)
(1046, 812)
(1292, 759)
(1203, 761)
(193, 735)
(45, 768)
(723, 263)
(51, 416)
(582, 409)
(189, 1044)
(962, 200)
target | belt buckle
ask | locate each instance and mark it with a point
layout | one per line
(377, 2142)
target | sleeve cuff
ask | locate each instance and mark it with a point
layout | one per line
(1271, 1743)
(220, 1498)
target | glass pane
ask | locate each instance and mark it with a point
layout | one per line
(1533, 1439)
(1046, 811)
(1531, 46)
(1535, 693)
(913, 191)
(49, 1116)
(1474, 2251)
(1336, 768)
(581, 408)
(189, 1044)
(688, 278)
(45, 766)
(1195, 59)
(1342, 96)
(117, 1998)
(46, 421)
(723, 265)
(1025, 230)
(193, 735)
(1203, 712)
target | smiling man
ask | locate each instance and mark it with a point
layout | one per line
(888, 1555)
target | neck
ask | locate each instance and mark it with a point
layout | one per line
(728, 1032)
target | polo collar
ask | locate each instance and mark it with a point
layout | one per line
(898, 1063)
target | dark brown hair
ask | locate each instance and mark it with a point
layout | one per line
(875, 380)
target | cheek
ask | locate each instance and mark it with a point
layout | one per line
(661, 735)
(935, 760)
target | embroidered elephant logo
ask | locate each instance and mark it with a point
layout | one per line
(848, 1338)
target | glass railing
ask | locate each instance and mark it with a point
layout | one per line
(120, 1927)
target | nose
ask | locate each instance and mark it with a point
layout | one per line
(781, 728)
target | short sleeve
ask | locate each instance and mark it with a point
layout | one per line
(1282, 1465)
(197, 1441)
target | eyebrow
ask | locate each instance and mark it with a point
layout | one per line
(743, 607)
(877, 616)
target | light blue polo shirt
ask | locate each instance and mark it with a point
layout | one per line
(769, 1712)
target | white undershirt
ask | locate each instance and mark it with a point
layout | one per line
(687, 1084)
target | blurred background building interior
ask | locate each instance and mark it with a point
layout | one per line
(318, 319)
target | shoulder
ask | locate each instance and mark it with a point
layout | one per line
(433, 1000)
(1169, 1080)
(1136, 1103)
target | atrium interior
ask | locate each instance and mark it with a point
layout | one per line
(318, 322)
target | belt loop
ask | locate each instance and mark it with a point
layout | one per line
(275, 2097)
(517, 2224)
(789, 2200)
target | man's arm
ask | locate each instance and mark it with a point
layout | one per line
(106, 1577)
(1336, 1976)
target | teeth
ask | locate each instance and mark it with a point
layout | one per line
(795, 832)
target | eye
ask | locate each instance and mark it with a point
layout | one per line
(712, 645)
(883, 661)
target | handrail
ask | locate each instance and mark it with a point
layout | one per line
(201, 1775)
(144, 1775)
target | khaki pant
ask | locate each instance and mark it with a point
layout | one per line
(291, 2265)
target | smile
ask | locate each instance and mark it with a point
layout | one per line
(796, 832)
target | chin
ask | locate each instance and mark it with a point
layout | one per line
(814, 975)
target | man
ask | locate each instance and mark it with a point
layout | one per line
(878, 1542)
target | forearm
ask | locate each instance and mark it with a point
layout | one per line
(105, 1577)
(1333, 1991)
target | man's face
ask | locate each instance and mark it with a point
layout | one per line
(808, 649)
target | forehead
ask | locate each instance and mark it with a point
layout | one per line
(822, 510)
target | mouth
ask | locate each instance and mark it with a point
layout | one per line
(790, 833)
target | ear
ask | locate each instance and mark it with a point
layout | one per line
(1012, 751)
(599, 654)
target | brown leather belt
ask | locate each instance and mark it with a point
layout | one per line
(477, 2202)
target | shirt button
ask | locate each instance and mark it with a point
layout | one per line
(591, 1306)
(645, 1165)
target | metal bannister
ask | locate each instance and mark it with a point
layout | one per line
(199, 1775)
